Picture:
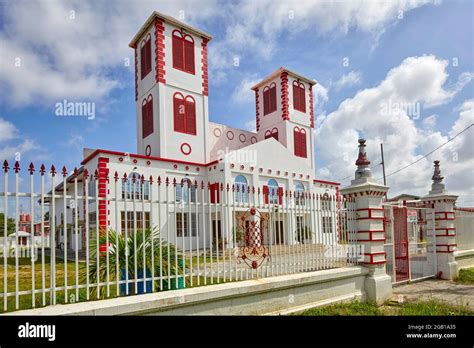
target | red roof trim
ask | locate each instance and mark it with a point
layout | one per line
(327, 182)
(117, 153)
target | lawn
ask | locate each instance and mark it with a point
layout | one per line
(466, 276)
(25, 282)
(423, 308)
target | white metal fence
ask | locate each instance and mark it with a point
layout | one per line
(134, 235)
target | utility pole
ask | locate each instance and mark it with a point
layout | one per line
(383, 165)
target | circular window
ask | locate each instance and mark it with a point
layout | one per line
(185, 148)
(242, 138)
(148, 150)
(230, 135)
(217, 132)
(253, 140)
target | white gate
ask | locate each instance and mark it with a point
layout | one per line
(410, 242)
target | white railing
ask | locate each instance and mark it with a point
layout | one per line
(111, 235)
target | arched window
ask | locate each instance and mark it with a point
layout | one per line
(184, 114)
(269, 99)
(241, 189)
(133, 188)
(147, 116)
(185, 191)
(299, 96)
(272, 133)
(145, 56)
(299, 194)
(272, 191)
(299, 137)
(183, 52)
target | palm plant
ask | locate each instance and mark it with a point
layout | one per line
(140, 248)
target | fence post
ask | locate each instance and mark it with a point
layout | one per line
(442, 225)
(368, 196)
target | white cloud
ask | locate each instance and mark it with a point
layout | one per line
(65, 57)
(243, 93)
(251, 126)
(347, 80)
(417, 80)
(429, 122)
(7, 130)
(9, 136)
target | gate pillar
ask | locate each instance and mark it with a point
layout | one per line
(368, 196)
(442, 223)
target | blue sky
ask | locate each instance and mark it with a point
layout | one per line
(397, 53)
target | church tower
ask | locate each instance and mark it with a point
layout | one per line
(171, 90)
(284, 111)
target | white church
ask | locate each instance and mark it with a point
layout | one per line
(180, 151)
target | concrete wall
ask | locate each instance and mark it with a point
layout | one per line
(464, 258)
(274, 295)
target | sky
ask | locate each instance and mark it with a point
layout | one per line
(394, 72)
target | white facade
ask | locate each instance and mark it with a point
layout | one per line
(215, 154)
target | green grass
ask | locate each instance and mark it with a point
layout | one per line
(423, 308)
(466, 276)
(338, 309)
(433, 307)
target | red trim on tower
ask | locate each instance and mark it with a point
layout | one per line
(136, 74)
(311, 108)
(205, 75)
(159, 51)
(103, 173)
(257, 112)
(284, 96)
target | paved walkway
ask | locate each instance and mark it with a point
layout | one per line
(439, 289)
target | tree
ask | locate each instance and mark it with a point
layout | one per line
(10, 225)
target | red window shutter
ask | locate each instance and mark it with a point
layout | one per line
(303, 144)
(148, 56)
(189, 56)
(178, 54)
(190, 116)
(275, 134)
(297, 144)
(214, 192)
(142, 61)
(149, 118)
(280, 195)
(179, 114)
(266, 102)
(265, 193)
(144, 119)
(302, 99)
(296, 97)
(273, 100)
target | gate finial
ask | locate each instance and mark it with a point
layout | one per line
(362, 173)
(437, 186)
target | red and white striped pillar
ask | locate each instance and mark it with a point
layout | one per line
(368, 196)
(443, 225)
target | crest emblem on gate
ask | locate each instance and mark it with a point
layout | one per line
(252, 250)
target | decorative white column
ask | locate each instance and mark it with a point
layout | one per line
(368, 196)
(443, 209)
